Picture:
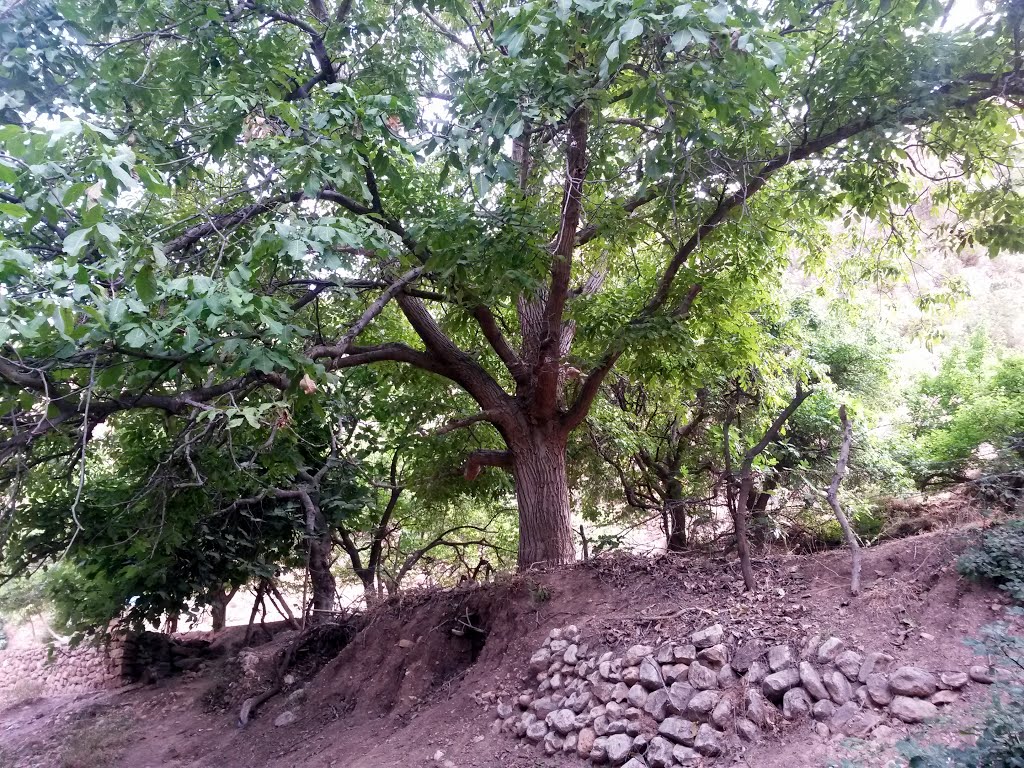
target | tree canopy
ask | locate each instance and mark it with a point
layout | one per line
(216, 214)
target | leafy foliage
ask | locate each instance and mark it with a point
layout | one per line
(999, 743)
(999, 558)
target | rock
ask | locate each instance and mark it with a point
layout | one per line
(670, 673)
(631, 675)
(620, 692)
(822, 730)
(569, 745)
(585, 742)
(756, 673)
(878, 689)
(747, 731)
(540, 661)
(285, 718)
(618, 748)
(838, 686)
(954, 680)
(842, 715)
(685, 755)
(544, 707)
(811, 680)
(702, 704)
(747, 654)
(635, 762)
(981, 674)
(885, 734)
(679, 695)
(702, 678)
(780, 657)
(657, 704)
(810, 648)
(942, 698)
(862, 723)
(536, 731)
(795, 704)
(715, 656)
(504, 710)
(571, 633)
(603, 692)
(636, 654)
(721, 715)
(679, 730)
(640, 744)
(849, 663)
(685, 654)
(708, 741)
(637, 696)
(617, 726)
(726, 677)
(601, 723)
(299, 694)
(562, 720)
(570, 655)
(559, 646)
(756, 708)
(707, 637)
(823, 710)
(659, 753)
(873, 664)
(829, 650)
(553, 743)
(777, 683)
(664, 654)
(912, 710)
(650, 674)
(913, 681)
(598, 753)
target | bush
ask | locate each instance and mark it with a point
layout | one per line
(1000, 738)
(999, 558)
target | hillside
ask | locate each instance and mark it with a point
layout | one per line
(408, 691)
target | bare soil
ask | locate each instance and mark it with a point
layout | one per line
(408, 687)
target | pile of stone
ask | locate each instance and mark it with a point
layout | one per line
(666, 706)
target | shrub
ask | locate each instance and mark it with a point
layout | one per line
(999, 557)
(1000, 738)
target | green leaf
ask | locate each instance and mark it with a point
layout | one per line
(136, 338)
(76, 241)
(14, 210)
(632, 29)
(145, 285)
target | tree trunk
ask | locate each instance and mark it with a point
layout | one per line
(368, 580)
(833, 500)
(542, 494)
(742, 540)
(320, 578)
(219, 600)
(676, 510)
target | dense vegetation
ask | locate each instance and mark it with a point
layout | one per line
(405, 291)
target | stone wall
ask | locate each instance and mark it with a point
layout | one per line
(126, 658)
(62, 670)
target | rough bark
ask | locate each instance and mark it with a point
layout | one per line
(542, 490)
(833, 500)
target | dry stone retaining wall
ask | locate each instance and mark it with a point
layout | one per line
(696, 698)
(126, 658)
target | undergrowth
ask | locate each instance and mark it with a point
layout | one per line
(999, 741)
(999, 558)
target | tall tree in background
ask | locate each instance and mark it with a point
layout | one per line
(209, 204)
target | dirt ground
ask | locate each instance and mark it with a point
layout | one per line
(408, 687)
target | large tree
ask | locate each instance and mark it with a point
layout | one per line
(206, 202)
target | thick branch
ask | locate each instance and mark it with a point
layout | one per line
(477, 460)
